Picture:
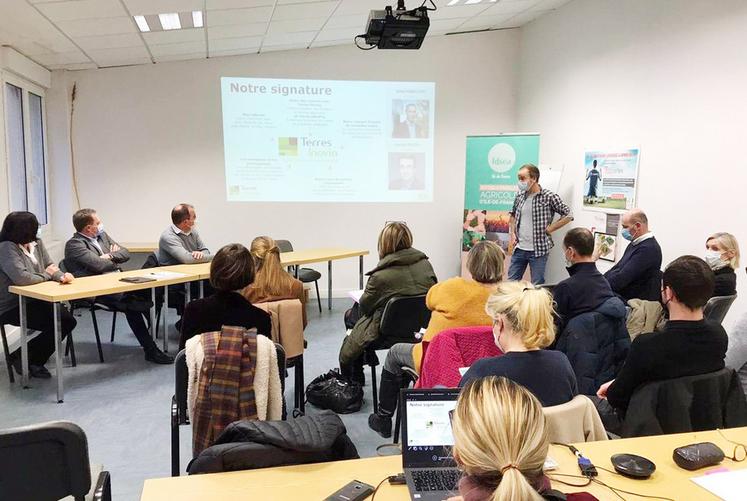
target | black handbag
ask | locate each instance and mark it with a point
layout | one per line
(335, 392)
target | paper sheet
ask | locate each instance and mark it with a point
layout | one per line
(729, 486)
(165, 275)
(356, 295)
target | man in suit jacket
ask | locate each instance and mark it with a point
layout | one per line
(638, 274)
(91, 251)
(410, 128)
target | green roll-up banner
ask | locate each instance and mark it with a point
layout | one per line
(490, 185)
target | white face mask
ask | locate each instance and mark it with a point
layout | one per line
(100, 229)
(713, 258)
(568, 262)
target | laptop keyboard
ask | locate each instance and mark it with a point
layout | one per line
(435, 480)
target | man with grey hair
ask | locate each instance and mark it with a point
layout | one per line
(638, 273)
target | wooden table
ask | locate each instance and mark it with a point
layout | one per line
(317, 481)
(301, 257)
(140, 247)
(87, 287)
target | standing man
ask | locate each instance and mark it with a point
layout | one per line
(594, 177)
(638, 273)
(91, 251)
(531, 225)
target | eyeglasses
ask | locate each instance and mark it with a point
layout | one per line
(740, 450)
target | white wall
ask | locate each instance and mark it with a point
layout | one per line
(666, 75)
(148, 137)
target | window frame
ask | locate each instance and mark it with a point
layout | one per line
(26, 88)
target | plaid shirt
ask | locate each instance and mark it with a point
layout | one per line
(545, 205)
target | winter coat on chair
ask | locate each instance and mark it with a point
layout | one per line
(596, 344)
(406, 272)
(247, 445)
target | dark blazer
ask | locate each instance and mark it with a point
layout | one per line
(401, 130)
(584, 291)
(222, 308)
(82, 258)
(638, 273)
(726, 282)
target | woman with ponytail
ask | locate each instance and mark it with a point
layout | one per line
(501, 443)
(272, 282)
(522, 326)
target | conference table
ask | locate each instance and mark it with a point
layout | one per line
(163, 276)
(317, 481)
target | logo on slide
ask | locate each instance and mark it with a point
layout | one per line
(501, 157)
(288, 146)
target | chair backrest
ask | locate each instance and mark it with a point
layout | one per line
(287, 324)
(401, 319)
(63, 266)
(717, 307)
(684, 404)
(284, 245)
(44, 461)
(181, 377)
(574, 421)
(150, 262)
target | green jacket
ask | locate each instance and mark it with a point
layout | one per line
(403, 273)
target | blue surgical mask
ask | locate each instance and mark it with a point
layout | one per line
(523, 186)
(626, 234)
(38, 233)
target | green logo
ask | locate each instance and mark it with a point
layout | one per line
(288, 146)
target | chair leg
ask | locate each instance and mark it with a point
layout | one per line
(96, 333)
(174, 438)
(375, 390)
(299, 385)
(70, 347)
(6, 350)
(397, 425)
(114, 325)
(318, 299)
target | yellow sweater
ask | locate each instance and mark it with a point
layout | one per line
(456, 302)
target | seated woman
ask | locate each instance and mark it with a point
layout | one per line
(272, 282)
(402, 271)
(722, 255)
(523, 325)
(24, 261)
(456, 302)
(501, 444)
(231, 271)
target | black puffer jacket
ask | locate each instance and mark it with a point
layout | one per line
(247, 445)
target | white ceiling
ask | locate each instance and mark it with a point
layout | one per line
(82, 34)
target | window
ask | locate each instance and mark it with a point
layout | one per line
(24, 129)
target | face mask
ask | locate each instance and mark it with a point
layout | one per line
(568, 263)
(100, 229)
(626, 234)
(38, 233)
(523, 186)
(713, 258)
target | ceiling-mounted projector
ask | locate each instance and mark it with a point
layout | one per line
(396, 29)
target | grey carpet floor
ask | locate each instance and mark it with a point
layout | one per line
(123, 405)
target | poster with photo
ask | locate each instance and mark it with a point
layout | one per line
(610, 180)
(605, 246)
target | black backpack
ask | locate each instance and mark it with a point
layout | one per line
(335, 392)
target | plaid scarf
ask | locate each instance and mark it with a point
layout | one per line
(226, 388)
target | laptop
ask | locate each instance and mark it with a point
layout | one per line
(430, 471)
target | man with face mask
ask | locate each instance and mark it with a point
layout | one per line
(637, 274)
(531, 225)
(689, 344)
(91, 251)
(586, 289)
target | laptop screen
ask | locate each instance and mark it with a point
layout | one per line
(426, 427)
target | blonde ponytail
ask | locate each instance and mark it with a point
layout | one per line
(500, 435)
(528, 309)
(271, 278)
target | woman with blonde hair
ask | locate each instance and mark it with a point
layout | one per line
(402, 271)
(272, 282)
(501, 443)
(456, 302)
(522, 326)
(722, 255)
